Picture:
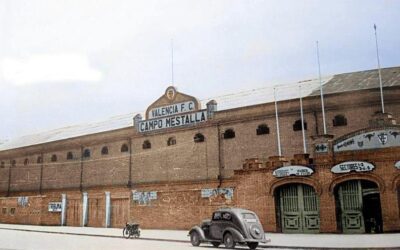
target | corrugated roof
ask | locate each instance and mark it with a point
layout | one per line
(331, 84)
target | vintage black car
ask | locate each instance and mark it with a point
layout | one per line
(229, 226)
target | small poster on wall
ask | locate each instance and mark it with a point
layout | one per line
(55, 207)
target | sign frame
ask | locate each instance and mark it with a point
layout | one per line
(294, 170)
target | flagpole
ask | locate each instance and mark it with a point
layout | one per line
(379, 69)
(321, 92)
(302, 121)
(277, 124)
(172, 62)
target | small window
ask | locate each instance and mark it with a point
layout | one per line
(13, 162)
(171, 141)
(86, 153)
(297, 125)
(229, 133)
(198, 137)
(104, 150)
(70, 156)
(26, 161)
(262, 129)
(146, 144)
(339, 120)
(217, 216)
(124, 148)
(39, 159)
(226, 216)
(53, 158)
(4, 210)
(12, 210)
(2, 164)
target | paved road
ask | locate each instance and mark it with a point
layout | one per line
(21, 240)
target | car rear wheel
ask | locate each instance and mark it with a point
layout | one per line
(229, 242)
(195, 238)
(252, 245)
(215, 244)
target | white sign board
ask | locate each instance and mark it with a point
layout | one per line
(293, 170)
(55, 207)
(211, 192)
(172, 121)
(144, 198)
(370, 140)
(348, 166)
(173, 109)
(397, 165)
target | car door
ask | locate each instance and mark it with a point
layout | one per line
(216, 226)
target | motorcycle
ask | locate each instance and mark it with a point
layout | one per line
(131, 230)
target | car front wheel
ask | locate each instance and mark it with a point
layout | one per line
(252, 245)
(229, 242)
(195, 238)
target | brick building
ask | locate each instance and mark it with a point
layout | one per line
(171, 168)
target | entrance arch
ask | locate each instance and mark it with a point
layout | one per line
(358, 207)
(297, 207)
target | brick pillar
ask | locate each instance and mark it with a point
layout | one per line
(300, 159)
(327, 213)
(276, 162)
(390, 211)
(270, 225)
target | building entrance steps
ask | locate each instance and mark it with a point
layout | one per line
(278, 240)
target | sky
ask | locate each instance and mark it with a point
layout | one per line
(70, 62)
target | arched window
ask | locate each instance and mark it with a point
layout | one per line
(86, 153)
(124, 148)
(146, 144)
(13, 162)
(297, 125)
(229, 133)
(198, 137)
(53, 158)
(70, 156)
(171, 141)
(39, 159)
(26, 161)
(104, 150)
(262, 129)
(339, 120)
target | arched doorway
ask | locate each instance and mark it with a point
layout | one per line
(358, 207)
(297, 208)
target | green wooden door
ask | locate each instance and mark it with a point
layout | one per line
(299, 208)
(350, 196)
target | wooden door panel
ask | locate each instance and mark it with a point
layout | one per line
(119, 212)
(74, 213)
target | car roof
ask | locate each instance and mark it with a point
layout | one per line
(234, 210)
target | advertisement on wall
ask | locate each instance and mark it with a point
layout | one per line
(55, 207)
(356, 166)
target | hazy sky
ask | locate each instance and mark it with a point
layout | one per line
(71, 62)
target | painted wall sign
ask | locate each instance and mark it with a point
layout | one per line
(55, 207)
(397, 165)
(293, 170)
(321, 148)
(23, 201)
(348, 166)
(211, 192)
(144, 198)
(172, 121)
(370, 140)
(173, 109)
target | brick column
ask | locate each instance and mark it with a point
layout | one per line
(327, 213)
(390, 211)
